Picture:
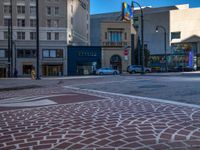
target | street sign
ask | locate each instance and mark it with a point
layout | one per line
(126, 52)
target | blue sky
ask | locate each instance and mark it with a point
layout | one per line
(102, 6)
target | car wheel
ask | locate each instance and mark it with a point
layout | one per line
(147, 71)
(101, 73)
(132, 72)
(115, 73)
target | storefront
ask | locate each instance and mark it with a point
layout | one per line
(2, 72)
(182, 55)
(83, 60)
(52, 69)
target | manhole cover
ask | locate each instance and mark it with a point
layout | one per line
(152, 86)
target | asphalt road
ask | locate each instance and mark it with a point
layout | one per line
(174, 87)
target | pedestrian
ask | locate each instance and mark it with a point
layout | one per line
(15, 73)
(33, 73)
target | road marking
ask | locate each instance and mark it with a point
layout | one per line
(31, 98)
(137, 97)
(42, 102)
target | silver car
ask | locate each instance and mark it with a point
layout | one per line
(107, 71)
(137, 69)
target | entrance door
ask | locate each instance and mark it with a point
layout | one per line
(116, 62)
(27, 70)
(2, 72)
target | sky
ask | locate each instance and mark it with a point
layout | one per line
(103, 6)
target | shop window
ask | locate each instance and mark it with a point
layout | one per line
(3, 53)
(27, 69)
(53, 53)
(175, 35)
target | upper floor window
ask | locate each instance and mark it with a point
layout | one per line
(175, 35)
(33, 22)
(7, 9)
(115, 36)
(52, 53)
(21, 35)
(6, 21)
(48, 10)
(32, 35)
(48, 35)
(56, 36)
(21, 22)
(5, 34)
(33, 10)
(21, 9)
(26, 53)
(56, 10)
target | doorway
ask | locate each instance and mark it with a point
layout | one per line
(116, 62)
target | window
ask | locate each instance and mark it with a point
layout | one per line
(125, 36)
(175, 35)
(56, 10)
(26, 53)
(48, 10)
(56, 36)
(7, 9)
(21, 22)
(106, 35)
(21, 9)
(32, 35)
(3, 53)
(33, 10)
(53, 53)
(6, 21)
(56, 23)
(48, 35)
(21, 35)
(5, 34)
(33, 22)
(115, 36)
(48, 23)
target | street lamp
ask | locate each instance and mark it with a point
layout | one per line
(165, 45)
(37, 40)
(142, 32)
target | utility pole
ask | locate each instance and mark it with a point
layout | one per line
(11, 38)
(142, 33)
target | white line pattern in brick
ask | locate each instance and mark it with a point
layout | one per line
(114, 123)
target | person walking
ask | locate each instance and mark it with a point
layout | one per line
(15, 73)
(33, 73)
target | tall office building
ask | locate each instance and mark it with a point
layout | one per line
(61, 23)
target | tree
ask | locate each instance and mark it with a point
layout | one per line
(146, 57)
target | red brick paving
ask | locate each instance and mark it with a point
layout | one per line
(112, 122)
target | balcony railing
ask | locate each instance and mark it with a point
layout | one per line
(114, 44)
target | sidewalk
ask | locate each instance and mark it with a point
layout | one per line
(90, 120)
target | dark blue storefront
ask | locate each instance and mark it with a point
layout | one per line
(83, 60)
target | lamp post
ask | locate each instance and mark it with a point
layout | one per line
(142, 32)
(37, 41)
(165, 43)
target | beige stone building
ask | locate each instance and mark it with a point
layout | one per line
(182, 34)
(62, 23)
(116, 44)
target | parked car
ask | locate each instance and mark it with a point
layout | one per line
(137, 69)
(186, 68)
(107, 71)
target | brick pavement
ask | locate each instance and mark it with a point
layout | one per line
(104, 122)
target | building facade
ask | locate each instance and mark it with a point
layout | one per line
(114, 36)
(182, 35)
(61, 23)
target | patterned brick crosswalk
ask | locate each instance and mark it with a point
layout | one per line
(109, 122)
